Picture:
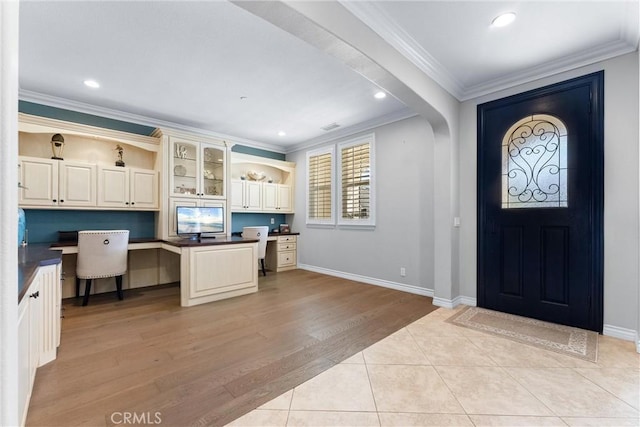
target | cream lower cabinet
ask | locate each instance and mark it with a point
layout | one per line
(61, 183)
(282, 254)
(29, 323)
(214, 272)
(276, 198)
(127, 188)
(246, 196)
(38, 330)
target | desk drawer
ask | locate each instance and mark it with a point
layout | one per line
(286, 259)
(286, 247)
(286, 239)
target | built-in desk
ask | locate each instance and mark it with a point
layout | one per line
(210, 269)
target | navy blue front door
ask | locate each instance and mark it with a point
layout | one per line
(540, 203)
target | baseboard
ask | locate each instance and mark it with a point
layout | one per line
(453, 303)
(622, 333)
(369, 280)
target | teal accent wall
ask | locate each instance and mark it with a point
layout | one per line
(43, 225)
(82, 118)
(257, 152)
(240, 220)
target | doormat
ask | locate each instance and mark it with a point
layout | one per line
(549, 336)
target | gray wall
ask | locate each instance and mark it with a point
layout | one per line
(621, 186)
(403, 236)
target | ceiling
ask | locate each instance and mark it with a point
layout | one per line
(213, 66)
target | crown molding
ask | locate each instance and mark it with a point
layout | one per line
(372, 15)
(81, 107)
(396, 116)
(580, 59)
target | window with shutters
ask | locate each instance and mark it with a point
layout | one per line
(356, 182)
(320, 186)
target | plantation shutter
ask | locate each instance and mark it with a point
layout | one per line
(320, 187)
(356, 181)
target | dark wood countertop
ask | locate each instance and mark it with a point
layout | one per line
(31, 257)
(209, 241)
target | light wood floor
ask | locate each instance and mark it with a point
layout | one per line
(212, 363)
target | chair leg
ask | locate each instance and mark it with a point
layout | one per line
(77, 287)
(264, 272)
(119, 287)
(87, 291)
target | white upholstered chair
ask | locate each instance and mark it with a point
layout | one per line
(101, 253)
(258, 233)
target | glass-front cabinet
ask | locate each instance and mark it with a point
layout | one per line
(197, 169)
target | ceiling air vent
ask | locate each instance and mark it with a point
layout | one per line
(330, 126)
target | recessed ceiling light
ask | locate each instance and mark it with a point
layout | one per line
(503, 19)
(380, 95)
(92, 83)
(282, 133)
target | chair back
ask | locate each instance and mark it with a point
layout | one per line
(102, 253)
(258, 233)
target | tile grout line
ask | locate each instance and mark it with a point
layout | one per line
(375, 404)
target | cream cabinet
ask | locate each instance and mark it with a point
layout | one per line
(282, 254)
(51, 300)
(276, 198)
(56, 183)
(246, 196)
(211, 273)
(196, 169)
(38, 330)
(276, 189)
(29, 323)
(175, 201)
(127, 188)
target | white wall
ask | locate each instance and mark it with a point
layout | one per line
(8, 213)
(403, 236)
(621, 214)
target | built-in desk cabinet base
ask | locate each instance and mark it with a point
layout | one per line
(211, 273)
(282, 254)
(38, 330)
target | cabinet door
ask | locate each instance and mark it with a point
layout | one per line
(184, 170)
(144, 189)
(269, 197)
(284, 198)
(49, 300)
(77, 184)
(39, 181)
(237, 196)
(253, 195)
(212, 171)
(24, 369)
(113, 187)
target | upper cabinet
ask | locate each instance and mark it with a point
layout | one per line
(260, 184)
(196, 169)
(128, 188)
(91, 168)
(56, 183)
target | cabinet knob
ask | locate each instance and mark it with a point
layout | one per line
(126, 203)
(133, 203)
(55, 200)
(61, 201)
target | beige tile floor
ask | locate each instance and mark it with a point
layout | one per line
(433, 373)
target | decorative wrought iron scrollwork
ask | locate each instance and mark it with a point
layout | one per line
(533, 163)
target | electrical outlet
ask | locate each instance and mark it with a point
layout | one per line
(403, 271)
(273, 220)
